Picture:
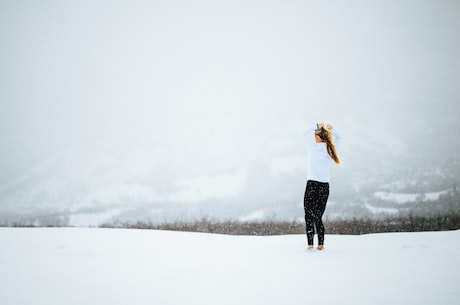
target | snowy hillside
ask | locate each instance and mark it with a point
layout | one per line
(113, 266)
(91, 186)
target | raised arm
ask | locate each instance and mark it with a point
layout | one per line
(305, 135)
(337, 137)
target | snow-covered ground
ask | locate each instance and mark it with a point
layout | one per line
(46, 266)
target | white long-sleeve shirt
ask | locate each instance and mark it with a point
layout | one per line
(318, 160)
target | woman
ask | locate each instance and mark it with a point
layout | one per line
(321, 153)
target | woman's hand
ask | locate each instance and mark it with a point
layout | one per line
(329, 126)
(320, 125)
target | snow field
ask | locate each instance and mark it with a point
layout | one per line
(115, 266)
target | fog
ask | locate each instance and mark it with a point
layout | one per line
(178, 109)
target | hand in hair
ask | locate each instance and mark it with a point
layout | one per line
(329, 126)
(320, 125)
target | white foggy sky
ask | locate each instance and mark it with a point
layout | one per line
(213, 76)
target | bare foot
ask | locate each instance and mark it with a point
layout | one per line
(320, 247)
(310, 247)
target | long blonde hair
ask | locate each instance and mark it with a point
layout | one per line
(326, 135)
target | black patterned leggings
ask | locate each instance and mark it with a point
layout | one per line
(315, 199)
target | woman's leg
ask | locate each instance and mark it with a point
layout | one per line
(323, 195)
(310, 198)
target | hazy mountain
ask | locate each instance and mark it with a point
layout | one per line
(178, 109)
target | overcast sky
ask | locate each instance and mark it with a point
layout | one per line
(208, 79)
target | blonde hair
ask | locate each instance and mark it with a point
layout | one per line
(326, 135)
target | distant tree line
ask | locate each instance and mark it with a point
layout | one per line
(355, 226)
